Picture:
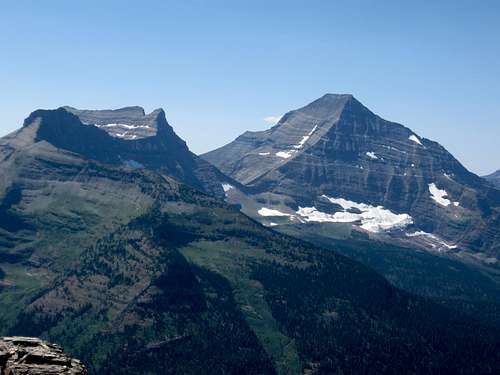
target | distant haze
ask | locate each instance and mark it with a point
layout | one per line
(220, 68)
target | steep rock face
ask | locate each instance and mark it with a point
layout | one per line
(334, 149)
(28, 355)
(126, 137)
(494, 178)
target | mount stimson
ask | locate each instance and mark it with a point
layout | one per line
(335, 161)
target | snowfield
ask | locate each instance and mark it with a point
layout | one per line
(415, 139)
(264, 211)
(124, 126)
(438, 195)
(284, 154)
(372, 219)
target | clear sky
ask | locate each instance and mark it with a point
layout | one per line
(219, 68)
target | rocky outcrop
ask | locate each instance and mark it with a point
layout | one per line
(28, 355)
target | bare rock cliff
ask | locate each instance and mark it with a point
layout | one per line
(29, 355)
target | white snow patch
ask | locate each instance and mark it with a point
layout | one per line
(371, 155)
(305, 138)
(284, 154)
(456, 204)
(264, 211)
(298, 146)
(412, 165)
(438, 195)
(415, 139)
(373, 219)
(312, 214)
(227, 187)
(272, 224)
(433, 237)
(264, 153)
(124, 126)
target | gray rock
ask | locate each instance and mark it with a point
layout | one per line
(29, 355)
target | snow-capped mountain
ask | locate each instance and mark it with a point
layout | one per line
(335, 161)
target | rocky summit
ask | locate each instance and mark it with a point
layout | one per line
(334, 161)
(30, 356)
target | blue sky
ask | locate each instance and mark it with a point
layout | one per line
(219, 68)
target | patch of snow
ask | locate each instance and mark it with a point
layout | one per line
(133, 164)
(415, 139)
(284, 154)
(439, 195)
(312, 214)
(432, 237)
(264, 211)
(456, 204)
(371, 155)
(305, 138)
(264, 153)
(272, 224)
(227, 187)
(124, 126)
(373, 219)
(298, 146)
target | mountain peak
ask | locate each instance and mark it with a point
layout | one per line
(329, 106)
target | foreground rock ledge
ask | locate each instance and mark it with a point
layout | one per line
(30, 355)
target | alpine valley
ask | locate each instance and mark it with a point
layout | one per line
(136, 256)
